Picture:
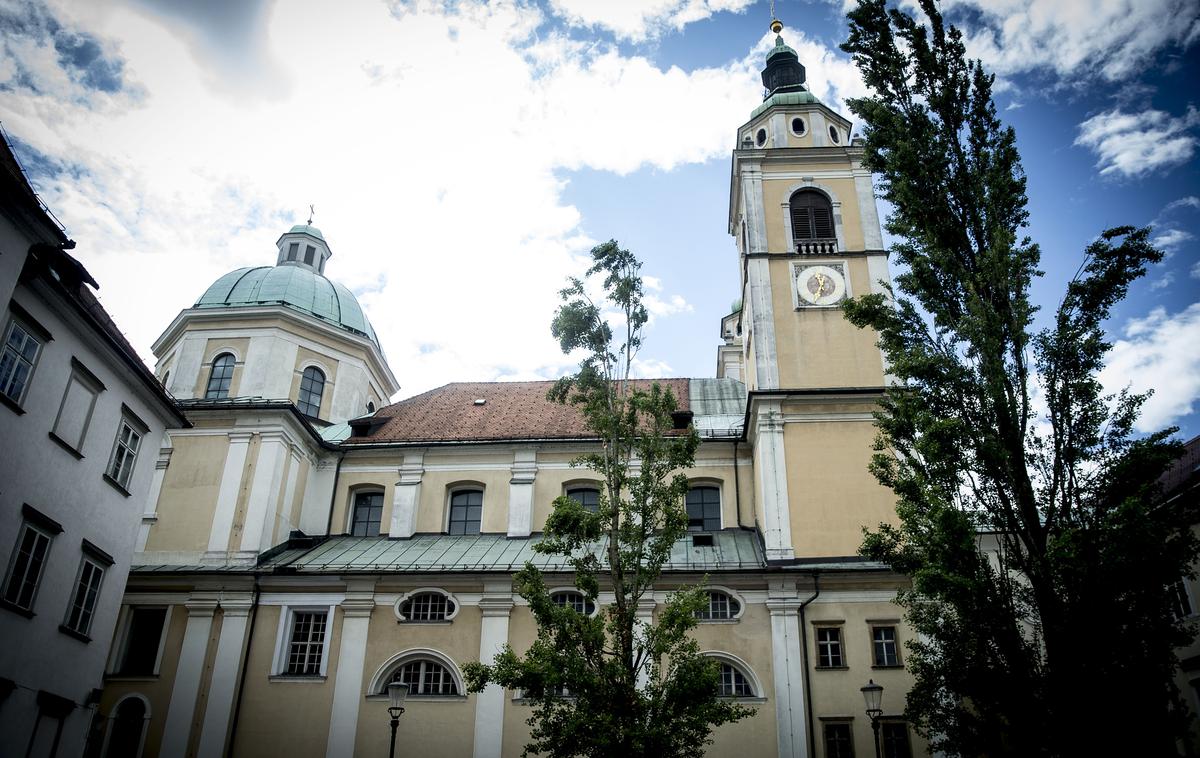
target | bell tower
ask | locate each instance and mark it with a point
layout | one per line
(802, 212)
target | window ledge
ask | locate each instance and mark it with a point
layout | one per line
(832, 668)
(26, 612)
(11, 404)
(116, 485)
(72, 633)
(66, 446)
(893, 666)
(717, 621)
(298, 678)
(754, 700)
(131, 677)
(424, 623)
(425, 698)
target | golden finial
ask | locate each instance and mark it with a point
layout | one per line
(776, 25)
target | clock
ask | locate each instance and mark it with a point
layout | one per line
(820, 285)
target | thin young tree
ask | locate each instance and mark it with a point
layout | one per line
(1060, 640)
(611, 684)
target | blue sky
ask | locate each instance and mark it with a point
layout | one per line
(464, 156)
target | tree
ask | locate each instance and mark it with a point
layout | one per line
(1060, 641)
(611, 685)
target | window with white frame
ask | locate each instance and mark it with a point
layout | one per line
(140, 641)
(75, 410)
(574, 600)
(426, 606)
(126, 729)
(883, 641)
(28, 560)
(721, 607)
(424, 677)
(368, 514)
(829, 647)
(733, 683)
(125, 451)
(312, 388)
(307, 632)
(18, 359)
(82, 608)
(220, 378)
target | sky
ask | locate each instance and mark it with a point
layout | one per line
(463, 157)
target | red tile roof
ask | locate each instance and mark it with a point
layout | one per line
(512, 411)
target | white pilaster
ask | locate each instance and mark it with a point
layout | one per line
(762, 314)
(407, 496)
(178, 726)
(877, 269)
(495, 607)
(258, 531)
(752, 200)
(771, 464)
(644, 617)
(868, 213)
(520, 493)
(787, 663)
(347, 687)
(235, 611)
(227, 493)
(150, 511)
(289, 487)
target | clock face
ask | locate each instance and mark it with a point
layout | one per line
(820, 285)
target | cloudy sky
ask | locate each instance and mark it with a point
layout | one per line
(464, 156)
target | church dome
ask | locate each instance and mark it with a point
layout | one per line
(292, 286)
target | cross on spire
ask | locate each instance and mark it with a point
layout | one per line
(311, 212)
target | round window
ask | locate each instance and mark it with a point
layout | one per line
(833, 134)
(798, 127)
(760, 138)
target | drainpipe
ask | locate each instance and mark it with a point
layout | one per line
(337, 472)
(737, 488)
(812, 737)
(237, 706)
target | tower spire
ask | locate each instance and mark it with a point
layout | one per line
(783, 72)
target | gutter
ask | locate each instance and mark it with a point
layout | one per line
(237, 703)
(812, 737)
(337, 472)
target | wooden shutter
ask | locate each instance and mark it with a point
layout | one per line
(812, 216)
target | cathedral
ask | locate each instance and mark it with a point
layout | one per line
(306, 542)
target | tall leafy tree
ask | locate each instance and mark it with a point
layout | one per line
(612, 685)
(1057, 637)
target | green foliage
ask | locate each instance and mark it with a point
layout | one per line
(582, 674)
(1061, 643)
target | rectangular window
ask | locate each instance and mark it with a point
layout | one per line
(829, 647)
(75, 410)
(309, 252)
(893, 738)
(124, 454)
(368, 513)
(884, 642)
(466, 512)
(306, 644)
(83, 599)
(26, 565)
(1181, 601)
(293, 250)
(140, 641)
(839, 742)
(17, 359)
(704, 509)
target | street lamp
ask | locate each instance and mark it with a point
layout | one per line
(397, 691)
(873, 694)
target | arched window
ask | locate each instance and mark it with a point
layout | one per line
(812, 216)
(125, 729)
(425, 677)
(588, 497)
(721, 607)
(704, 509)
(733, 682)
(426, 605)
(312, 386)
(466, 511)
(573, 599)
(368, 513)
(220, 378)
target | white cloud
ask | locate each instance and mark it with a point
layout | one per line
(1134, 144)
(1158, 352)
(1164, 281)
(432, 141)
(1073, 38)
(1194, 272)
(1171, 239)
(1187, 201)
(638, 20)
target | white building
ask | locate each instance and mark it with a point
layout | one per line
(81, 420)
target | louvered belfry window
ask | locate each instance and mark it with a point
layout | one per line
(812, 216)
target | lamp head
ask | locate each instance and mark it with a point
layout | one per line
(397, 692)
(873, 695)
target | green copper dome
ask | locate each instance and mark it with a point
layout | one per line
(307, 229)
(781, 48)
(785, 98)
(291, 286)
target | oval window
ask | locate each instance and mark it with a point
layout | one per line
(833, 134)
(721, 607)
(760, 137)
(427, 606)
(798, 127)
(576, 601)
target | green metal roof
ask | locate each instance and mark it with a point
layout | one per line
(786, 98)
(718, 406)
(732, 549)
(780, 49)
(292, 286)
(307, 229)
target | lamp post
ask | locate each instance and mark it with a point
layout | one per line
(873, 694)
(397, 691)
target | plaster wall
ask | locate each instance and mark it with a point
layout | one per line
(188, 497)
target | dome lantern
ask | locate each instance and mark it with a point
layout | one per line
(303, 245)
